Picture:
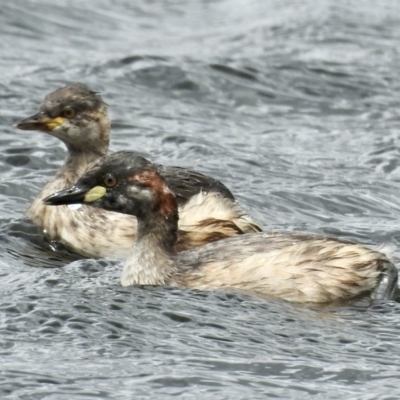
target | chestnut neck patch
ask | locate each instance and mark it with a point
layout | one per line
(165, 198)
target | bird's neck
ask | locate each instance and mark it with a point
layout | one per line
(87, 145)
(152, 259)
(76, 163)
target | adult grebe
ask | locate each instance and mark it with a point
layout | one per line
(297, 267)
(78, 117)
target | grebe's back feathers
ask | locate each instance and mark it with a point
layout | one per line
(298, 267)
(188, 183)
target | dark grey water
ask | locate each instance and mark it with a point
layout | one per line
(293, 104)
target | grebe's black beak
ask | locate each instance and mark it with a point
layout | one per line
(75, 195)
(39, 122)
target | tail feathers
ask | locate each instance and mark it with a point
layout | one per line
(387, 288)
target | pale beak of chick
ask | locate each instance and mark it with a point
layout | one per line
(76, 195)
(40, 122)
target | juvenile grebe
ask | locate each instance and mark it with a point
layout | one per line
(297, 267)
(78, 117)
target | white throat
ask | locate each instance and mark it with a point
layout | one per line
(147, 264)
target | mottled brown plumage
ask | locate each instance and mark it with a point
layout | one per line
(78, 117)
(297, 267)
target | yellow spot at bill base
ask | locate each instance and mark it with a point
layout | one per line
(94, 194)
(52, 123)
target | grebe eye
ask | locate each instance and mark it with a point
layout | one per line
(110, 180)
(68, 112)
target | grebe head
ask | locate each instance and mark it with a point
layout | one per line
(74, 114)
(123, 182)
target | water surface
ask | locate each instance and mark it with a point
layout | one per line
(293, 105)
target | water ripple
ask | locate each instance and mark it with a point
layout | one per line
(294, 105)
